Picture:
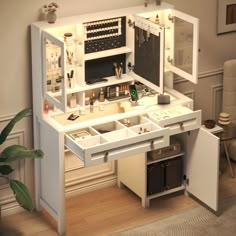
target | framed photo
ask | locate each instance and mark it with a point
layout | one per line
(226, 21)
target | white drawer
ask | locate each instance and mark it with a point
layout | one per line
(178, 120)
(117, 142)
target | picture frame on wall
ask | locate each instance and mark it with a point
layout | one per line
(226, 19)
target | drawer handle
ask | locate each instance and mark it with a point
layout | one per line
(181, 125)
(106, 157)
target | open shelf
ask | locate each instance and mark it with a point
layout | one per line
(173, 190)
(112, 80)
(107, 53)
(150, 161)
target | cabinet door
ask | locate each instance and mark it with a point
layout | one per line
(148, 58)
(183, 56)
(202, 166)
(54, 71)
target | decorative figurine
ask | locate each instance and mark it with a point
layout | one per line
(146, 2)
(50, 11)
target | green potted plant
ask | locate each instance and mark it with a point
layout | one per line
(13, 153)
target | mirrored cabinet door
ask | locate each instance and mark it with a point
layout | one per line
(54, 71)
(184, 58)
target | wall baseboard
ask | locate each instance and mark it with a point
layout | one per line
(11, 209)
(78, 190)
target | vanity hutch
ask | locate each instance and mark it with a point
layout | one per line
(82, 69)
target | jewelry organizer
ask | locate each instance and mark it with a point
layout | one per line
(104, 34)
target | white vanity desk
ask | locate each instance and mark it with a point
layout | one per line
(99, 148)
(106, 134)
(121, 140)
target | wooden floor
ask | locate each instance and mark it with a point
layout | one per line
(112, 209)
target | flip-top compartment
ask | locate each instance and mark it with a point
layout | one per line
(178, 119)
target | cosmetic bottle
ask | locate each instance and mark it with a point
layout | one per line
(117, 91)
(68, 38)
(126, 89)
(45, 107)
(93, 96)
(72, 102)
(108, 92)
(101, 95)
(72, 78)
(87, 100)
(91, 105)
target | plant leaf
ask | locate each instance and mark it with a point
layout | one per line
(22, 195)
(18, 152)
(2, 159)
(11, 124)
(5, 169)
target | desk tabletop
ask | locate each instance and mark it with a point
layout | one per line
(216, 130)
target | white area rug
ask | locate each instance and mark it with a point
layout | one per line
(195, 222)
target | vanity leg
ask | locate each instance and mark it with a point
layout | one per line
(120, 184)
(229, 162)
(186, 194)
(145, 202)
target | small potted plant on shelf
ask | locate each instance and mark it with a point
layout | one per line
(14, 153)
(50, 11)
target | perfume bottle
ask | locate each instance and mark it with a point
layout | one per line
(93, 96)
(45, 107)
(101, 97)
(72, 102)
(91, 105)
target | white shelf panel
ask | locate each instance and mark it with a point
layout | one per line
(111, 81)
(173, 190)
(54, 94)
(106, 53)
(76, 89)
(150, 161)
